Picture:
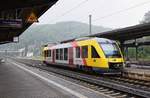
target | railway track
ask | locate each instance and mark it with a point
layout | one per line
(116, 87)
(132, 82)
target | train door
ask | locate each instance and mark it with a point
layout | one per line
(53, 56)
(94, 57)
(71, 56)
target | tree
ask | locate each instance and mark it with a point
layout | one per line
(146, 18)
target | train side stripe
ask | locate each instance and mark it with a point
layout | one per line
(74, 44)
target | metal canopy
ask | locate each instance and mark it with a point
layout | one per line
(12, 10)
(123, 34)
(12, 4)
(127, 33)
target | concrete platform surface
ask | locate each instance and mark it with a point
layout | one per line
(16, 83)
(20, 81)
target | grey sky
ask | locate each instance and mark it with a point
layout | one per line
(98, 9)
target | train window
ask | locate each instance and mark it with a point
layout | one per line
(44, 53)
(49, 53)
(61, 54)
(57, 54)
(94, 53)
(77, 52)
(65, 53)
(84, 51)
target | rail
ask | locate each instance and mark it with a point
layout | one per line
(141, 90)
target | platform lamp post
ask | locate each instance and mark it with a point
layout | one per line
(90, 24)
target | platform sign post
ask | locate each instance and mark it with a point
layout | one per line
(90, 24)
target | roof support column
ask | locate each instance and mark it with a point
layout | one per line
(126, 52)
(122, 47)
(136, 56)
(136, 50)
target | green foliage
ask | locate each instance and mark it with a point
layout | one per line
(146, 18)
(57, 32)
(143, 53)
(131, 53)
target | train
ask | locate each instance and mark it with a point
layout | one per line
(90, 54)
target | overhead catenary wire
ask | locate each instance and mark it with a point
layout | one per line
(74, 7)
(70, 10)
(102, 17)
(120, 11)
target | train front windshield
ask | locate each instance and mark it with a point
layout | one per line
(110, 50)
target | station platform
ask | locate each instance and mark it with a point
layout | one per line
(20, 81)
(16, 83)
(137, 72)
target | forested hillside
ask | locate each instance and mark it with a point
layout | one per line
(36, 35)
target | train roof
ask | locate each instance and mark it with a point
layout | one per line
(69, 44)
(84, 38)
(101, 40)
(88, 38)
(104, 40)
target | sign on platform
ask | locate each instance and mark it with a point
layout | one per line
(32, 18)
(16, 39)
(11, 23)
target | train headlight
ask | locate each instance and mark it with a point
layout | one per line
(119, 65)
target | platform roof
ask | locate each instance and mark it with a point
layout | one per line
(8, 34)
(123, 34)
(12, 4)
(128, 33)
